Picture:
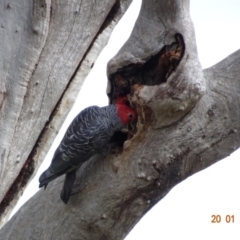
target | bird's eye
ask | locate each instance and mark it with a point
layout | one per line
(130, 115)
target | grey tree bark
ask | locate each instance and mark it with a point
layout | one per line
(47, 49)
(188, 120)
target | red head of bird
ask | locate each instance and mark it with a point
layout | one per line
(125, 112)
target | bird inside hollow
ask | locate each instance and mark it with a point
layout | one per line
(88, 134)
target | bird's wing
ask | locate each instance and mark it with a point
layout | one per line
(86, 135)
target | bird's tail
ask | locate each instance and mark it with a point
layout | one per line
(46, 178)
(67, 187)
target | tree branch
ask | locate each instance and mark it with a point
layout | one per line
(58, 45)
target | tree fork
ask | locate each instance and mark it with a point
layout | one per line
(186, 123)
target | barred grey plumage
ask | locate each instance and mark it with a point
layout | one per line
(88, 134)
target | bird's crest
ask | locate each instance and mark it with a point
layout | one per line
(125, 112)
(123, 100)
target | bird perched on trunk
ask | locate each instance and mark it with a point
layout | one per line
(88, 134)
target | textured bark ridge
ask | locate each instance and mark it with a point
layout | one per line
(47, 49)
(188, 120)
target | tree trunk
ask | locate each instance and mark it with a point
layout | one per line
(47, 49)
(188, 120)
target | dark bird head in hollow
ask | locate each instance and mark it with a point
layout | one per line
(88, 134)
